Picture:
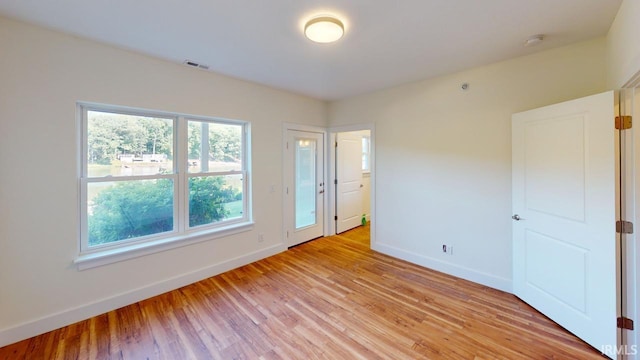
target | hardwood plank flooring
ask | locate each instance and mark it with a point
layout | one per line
(331, 298)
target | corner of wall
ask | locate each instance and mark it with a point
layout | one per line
(465, 273)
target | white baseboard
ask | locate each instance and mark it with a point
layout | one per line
(447, 268)
(70, 316)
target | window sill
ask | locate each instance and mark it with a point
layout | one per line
(104, 257)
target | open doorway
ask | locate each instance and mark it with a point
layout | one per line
(352, 175)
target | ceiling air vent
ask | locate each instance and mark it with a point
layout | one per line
(195, 64)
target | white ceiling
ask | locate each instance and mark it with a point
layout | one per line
(386, 42)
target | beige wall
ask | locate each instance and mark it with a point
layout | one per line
(443, 156)
(42, 75)
(443, 169)
(623, 45)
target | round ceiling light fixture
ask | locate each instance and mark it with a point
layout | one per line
(324, 29)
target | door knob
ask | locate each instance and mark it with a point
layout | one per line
(517, 217)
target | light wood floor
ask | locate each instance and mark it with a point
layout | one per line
(332, 298)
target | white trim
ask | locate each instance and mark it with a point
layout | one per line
(300, 127)
(353, 127)
(81, 229)
(634, 81)
(70, 316)
(633, 260)
(625, 247)
(633, 197)
(630, 95)
(126, 252)
(465, 273)
(181, 186)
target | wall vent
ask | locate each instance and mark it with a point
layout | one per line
(195, 64)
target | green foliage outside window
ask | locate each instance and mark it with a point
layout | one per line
(113, 134)
(131, 172)
(131, 209)
(138, 208)
(207, 199)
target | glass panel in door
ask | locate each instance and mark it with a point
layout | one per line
(304, 191)
(305, 182)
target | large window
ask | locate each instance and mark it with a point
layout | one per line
(152, 177)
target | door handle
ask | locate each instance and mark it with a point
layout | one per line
(516, 217)
(321, 192)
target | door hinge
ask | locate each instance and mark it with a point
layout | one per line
(624, 227)
(336, 144)
(335, 217)
(625, 323)
(623, 122)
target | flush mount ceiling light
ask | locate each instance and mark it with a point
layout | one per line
(324, 29)
(534, 40)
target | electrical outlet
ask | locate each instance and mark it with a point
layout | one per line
(260, 237)
(447, 249)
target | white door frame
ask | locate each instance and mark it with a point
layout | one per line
(332, 174)
(632, 188)
(287, 213)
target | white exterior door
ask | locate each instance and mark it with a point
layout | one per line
(304, 153)
(349, 175)
(564, 199)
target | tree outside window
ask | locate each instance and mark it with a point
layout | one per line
(133, 168)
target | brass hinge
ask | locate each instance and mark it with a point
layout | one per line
(625, 323)
(624, 227)
(623, 122)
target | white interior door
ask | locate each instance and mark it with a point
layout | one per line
(305, 185)
(349, 185)
(564, 206)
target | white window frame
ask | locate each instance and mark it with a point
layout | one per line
(182, 234)
(367, 154)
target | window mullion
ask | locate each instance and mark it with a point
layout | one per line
(84, 232)
(84, 158)
(128, 178)
(204, 147)
(246, 178)
(181, 197)
(131, 193)
(217, 173)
